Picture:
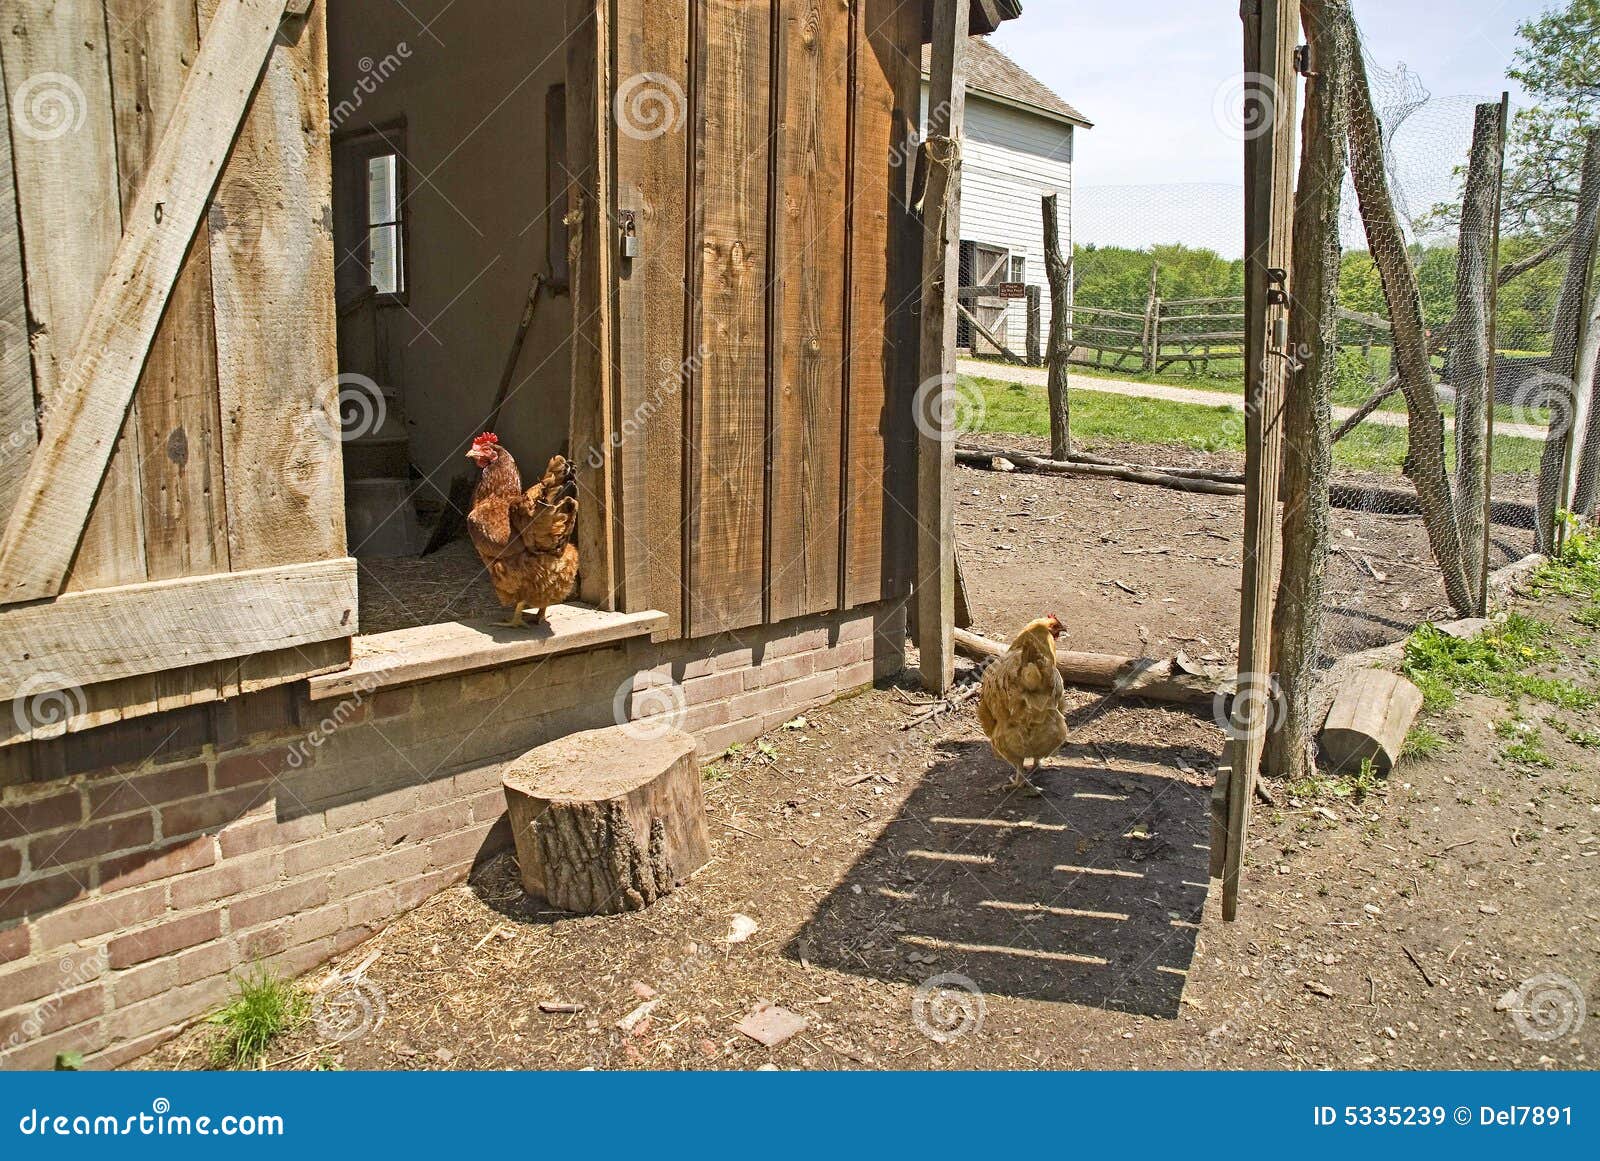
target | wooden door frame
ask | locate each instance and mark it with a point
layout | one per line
(1271, 33)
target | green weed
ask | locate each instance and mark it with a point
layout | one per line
(263, 1008)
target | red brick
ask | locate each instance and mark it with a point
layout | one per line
(336, 848)
(119, 1054)
(425, 824)
(774, 672)
(245, 769)
(10, 862)
(700, 690)
(64, 971)
(164, 938)
(213, 811)
(40, 1055)
(152, 979)
(121, 795)
(415, 892)
(15, 942)
(92, 840)
(275, 904)
(226, 880)
(165, 1009)
(51, 1014)
(147, 866)
(18, 819)
(247, 836)
(461, 848)
(97, 916)
(38, 895)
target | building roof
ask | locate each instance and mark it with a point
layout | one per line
(991, 73)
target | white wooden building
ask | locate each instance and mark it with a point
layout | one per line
(1018, 145)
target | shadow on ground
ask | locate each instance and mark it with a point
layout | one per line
(1091, 894)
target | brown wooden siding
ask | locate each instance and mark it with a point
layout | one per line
(772, 197)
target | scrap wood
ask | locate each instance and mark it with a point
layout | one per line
(1156, 477)
(1172, 679)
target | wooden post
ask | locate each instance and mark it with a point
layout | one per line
(1471, 354)
(1059, 274)
(1308, 410)
(1152, 305)
(1494, 332)
(941, 275)
(1271, 30)
(1035, 311)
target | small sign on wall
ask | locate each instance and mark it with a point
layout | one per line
(1013, 290)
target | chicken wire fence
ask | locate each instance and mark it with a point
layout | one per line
(1475, 469)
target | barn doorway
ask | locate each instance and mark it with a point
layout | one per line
(448, 136)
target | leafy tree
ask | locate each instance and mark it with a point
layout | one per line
(1559, 65)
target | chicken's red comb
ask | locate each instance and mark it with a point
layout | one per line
(486, 439)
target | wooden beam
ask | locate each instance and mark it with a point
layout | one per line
(19, 430)
(1271, 31)
(941, 275)
(86, 416)
(593, 242)
(83, 638)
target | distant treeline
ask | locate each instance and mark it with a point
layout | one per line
(1118, 278)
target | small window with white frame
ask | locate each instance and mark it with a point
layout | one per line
(1019, 268)
(370, 227)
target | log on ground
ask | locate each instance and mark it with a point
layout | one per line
(1368, 721)
(1169, 679)
(608, 820)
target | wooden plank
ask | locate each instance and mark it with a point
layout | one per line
(652, 163)
(63, 140)
(592, 252)
(177, 431)
(884, 263)
(273, 305)
(1271, 31)
(809, 292)
(382, 660)
(88, 409)
(19, 427)
(941, 275)
(83, 638)
(727, 443)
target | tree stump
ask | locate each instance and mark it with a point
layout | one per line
(1369, 719)
(607, 820)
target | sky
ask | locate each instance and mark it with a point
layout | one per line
(1160, 80)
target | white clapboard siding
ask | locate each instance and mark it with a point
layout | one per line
(1010, 159)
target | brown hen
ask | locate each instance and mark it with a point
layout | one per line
(1022, 704)
(524, 537)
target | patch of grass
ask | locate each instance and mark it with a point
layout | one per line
(1526, 747)
(1575, 573)
(1351, 786)
(1494, 662)
(263, 1008)
(1099, 418)
(1423, 742)
(1578, 736)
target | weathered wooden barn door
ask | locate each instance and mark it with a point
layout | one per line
(172, 492)
(764, 287)
(1271, 31)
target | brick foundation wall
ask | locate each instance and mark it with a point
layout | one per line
(141, 864)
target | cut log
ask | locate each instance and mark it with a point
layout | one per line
(1368, 721)
(608, 820)
(1170, 679)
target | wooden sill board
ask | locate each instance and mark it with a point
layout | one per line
(404, 656)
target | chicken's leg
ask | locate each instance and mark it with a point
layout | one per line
(516, 621)
(1019, 780)
(538, 617)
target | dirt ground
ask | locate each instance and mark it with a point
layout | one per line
(879, 882)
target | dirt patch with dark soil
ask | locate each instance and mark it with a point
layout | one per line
(1133, 569)
(880, 884)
